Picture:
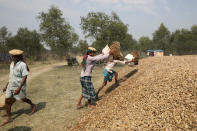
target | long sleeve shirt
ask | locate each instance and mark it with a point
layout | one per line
(90, 62)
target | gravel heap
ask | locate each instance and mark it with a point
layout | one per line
(160, 93)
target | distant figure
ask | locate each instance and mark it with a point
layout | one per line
(16, 87)
(72, 61)
(88, 63)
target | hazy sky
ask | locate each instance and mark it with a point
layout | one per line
(142, 16)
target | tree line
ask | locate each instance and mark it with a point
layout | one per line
(59, 37)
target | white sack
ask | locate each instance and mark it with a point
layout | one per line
(129, 57)
(106, 50)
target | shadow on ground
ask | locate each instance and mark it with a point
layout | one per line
(66, 66)
(18, 113)
(20, 128)
(124, 78)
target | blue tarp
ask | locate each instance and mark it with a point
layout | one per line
(150, 50)
(159, 50)
(155, 50)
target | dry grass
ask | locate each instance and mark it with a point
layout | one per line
(159, 94)
(56, 92)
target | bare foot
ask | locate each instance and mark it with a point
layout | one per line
(79, 106)
(4, 122)
(33, 109)
(91, 106)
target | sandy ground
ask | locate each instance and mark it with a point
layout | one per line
(55, 89)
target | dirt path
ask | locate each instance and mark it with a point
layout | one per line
(39, 70)
(35, 71)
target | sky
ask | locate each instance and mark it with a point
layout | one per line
(142, 16)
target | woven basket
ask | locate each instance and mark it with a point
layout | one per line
(115, 51)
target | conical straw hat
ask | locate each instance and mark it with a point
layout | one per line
(16, 52)
(92, 49)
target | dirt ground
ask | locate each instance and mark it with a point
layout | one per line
(55, 88)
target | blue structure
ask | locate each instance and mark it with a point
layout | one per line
(158, 52)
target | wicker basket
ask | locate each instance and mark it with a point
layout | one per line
(115, 51)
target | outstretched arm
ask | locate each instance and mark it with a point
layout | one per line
(127, 62)
(98, 57)
(119, 61)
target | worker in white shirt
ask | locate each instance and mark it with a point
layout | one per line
(109, 73)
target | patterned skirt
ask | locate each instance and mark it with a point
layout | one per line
(88, 91)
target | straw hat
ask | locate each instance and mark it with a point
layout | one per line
(92, 49)
(16, 52)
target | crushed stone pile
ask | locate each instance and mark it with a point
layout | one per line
(160, 93)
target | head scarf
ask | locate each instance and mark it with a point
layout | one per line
(85, 56)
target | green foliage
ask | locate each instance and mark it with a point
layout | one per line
(56, 32)
(180, 42)
(161, 38)
(184, 41)
(83, 46)
(105, 29)
(28, 41)
(145, 44)
(4, 36)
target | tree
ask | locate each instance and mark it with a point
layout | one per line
(128, 43)
(194, 29)
(28, 41)
(145, 44)
(184, 41)
(105, 29)
(56, 32)
(4, 36)
(161, 38)
(83, 46)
